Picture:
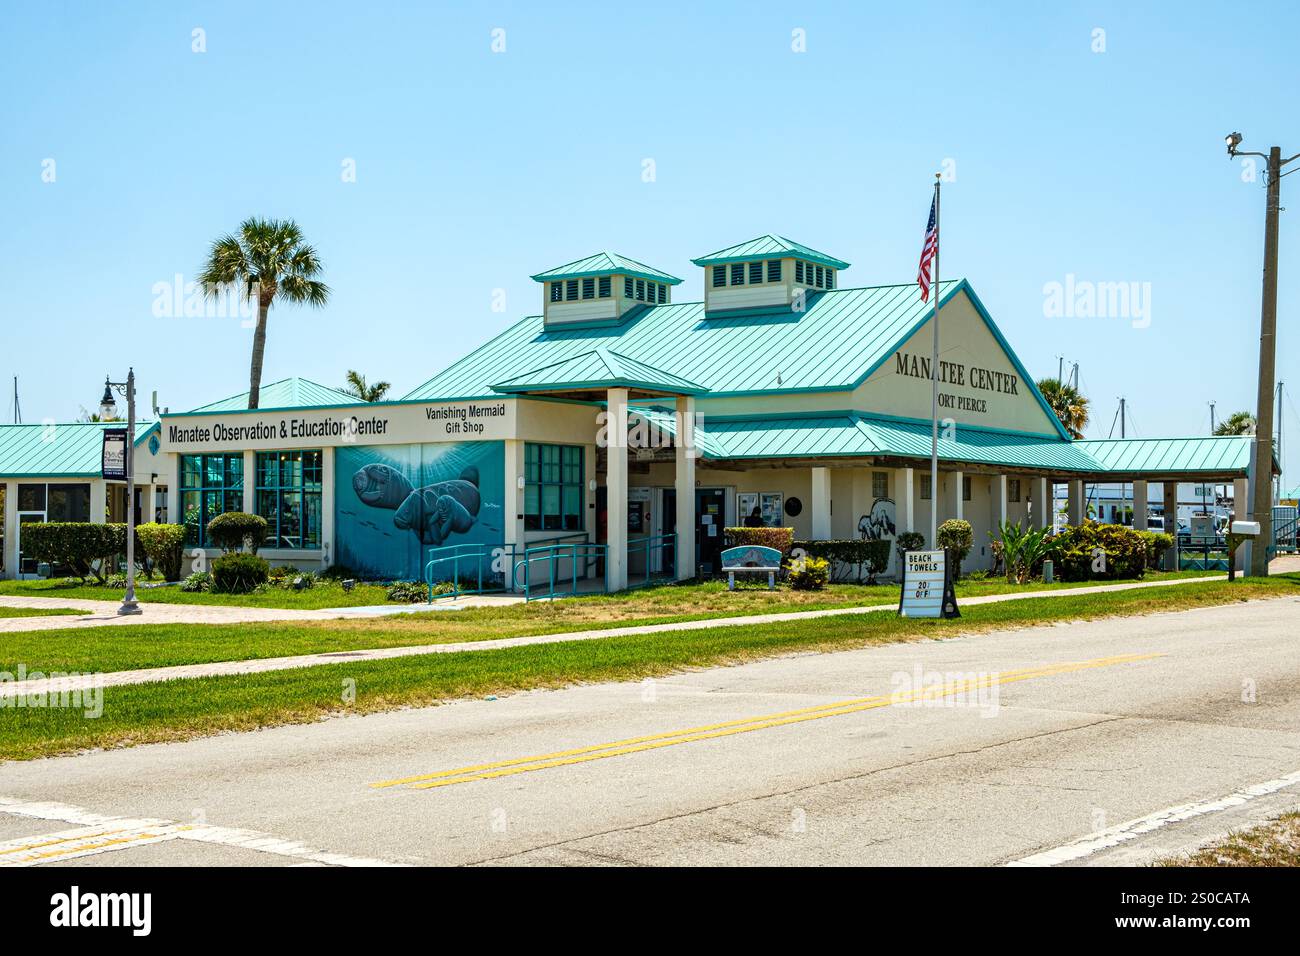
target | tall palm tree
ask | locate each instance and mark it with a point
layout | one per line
(1238, 423)
(367, 393)
(1069, 405)
(271, 263)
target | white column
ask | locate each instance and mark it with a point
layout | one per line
(512, 529)
(98, 506)
(11, 530)
(172, 473)
(904, 509)
(1042, 503)
(1076, 507)
(684, 483)
(955, 503)
(250, 482)
(150, 503)
(616, 488)
(329, 550)
(998, 494)
(820, 516)
(1170, 489)
(1240, 510)
(1141, 507)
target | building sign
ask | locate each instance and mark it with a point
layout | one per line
(370, 424)
(113, 456)
(927, 586)
(976, 378)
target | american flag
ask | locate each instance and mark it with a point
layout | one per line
(929, 250)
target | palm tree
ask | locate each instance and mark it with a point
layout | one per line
(1238, 423)
(1069, 405)
(367, 393)
(270, 261)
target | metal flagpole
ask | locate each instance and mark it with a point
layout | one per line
(934, 385)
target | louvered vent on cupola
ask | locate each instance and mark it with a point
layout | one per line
(769, 272)
(601, 290)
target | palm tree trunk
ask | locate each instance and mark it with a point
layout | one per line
(259, 348)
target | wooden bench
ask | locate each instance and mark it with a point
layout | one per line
(751, 559)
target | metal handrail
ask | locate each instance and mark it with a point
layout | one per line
(477, 551)
(646, 544)
(558, 552)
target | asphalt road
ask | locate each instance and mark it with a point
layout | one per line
(1042, 737)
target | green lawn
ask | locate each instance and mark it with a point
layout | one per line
(162, 645)
(1275, 843)
(323, 594)
(37, 611)
(178, 710)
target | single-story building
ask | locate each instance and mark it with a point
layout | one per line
(615, 417)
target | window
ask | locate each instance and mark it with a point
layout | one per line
(663, 293)
(605, 287)
(31, 497)
(571, 290)
(557, 292)
(737, 273)
(880, 484)
(798, 270)
(68, 503)
(965, 488)
(553, 487)
(589, 288)
(925, 488)
(830, 278)
(640, 290)
(289, 498)
(627, 288)
(1013, 489)
(755, 273)
(719, 276)
(821, 277)
(773, 270)
(210, 485)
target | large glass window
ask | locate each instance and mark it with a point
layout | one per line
(553, 488)
(68, 503)
(210, 485)
(289, 498)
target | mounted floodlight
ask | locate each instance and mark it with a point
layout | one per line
(1233, 140)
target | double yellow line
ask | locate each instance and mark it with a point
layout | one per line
(565, 758)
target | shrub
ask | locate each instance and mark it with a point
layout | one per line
(1158, 544)
(410, 592)
(809, 574)
(236, 573)
(85, 548)
(1021, 549)
(116, 581)
(909, 541)
(849, 559)
(957, 537)
(197, 582)
(1092, 550)
(165, 546)
(782, 539)
(237, 531)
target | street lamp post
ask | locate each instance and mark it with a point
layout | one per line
(1261, 504)
(107, 408)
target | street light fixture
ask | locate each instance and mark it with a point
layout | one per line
(1261, 505)
(127, 389)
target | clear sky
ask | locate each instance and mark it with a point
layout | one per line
(476, 168)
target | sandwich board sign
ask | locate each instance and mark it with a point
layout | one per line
(113, 458)
(927, 585)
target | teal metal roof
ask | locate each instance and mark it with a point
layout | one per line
(840, 338)
(766, 247)
(71, 450)
(599, 368)
(605, 263)
(969, 443)
(286, 393)
(1224, 453)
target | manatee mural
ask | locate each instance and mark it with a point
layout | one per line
(395, 502)
(879, 524)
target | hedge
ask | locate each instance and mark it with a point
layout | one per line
(850, 559)
(782, 539)
(165, 546)
(237, 531)
(86, 548)
(237, 573)
(1077, 550)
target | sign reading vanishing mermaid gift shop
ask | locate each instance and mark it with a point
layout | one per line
(371, 424)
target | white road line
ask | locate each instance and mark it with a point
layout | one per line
(97, 833)
(1114, 836)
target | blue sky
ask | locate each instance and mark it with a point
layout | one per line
(475, 169)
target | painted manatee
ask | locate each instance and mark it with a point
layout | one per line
(433, 513)
(381, 486)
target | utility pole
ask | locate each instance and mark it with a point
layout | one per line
(1281, 458)
(1261, 504)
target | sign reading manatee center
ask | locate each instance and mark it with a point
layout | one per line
(399, 423)
(927, 586)
(973, 377)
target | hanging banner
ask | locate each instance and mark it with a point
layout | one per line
(112, 465)
(927, 586)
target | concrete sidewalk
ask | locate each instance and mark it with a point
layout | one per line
(224, 668)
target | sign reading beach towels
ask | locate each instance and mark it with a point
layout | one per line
(927, 586)
(113, 459)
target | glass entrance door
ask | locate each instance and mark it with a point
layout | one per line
(710, 514)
